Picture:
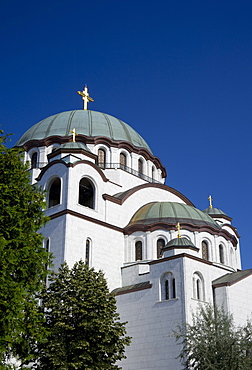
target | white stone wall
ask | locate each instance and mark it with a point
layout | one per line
(236, 299)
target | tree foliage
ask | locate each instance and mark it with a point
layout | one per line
(84, 328)
(22, 257)
(212, 342)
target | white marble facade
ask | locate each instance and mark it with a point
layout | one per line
(155, 291)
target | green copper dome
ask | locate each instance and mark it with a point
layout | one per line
(214, 211)
(85, 122)
(171, 212)
(179, 242)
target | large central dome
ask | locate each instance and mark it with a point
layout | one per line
(86, 122)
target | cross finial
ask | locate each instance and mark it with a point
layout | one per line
(85, 97)
(210, 201)
(73, 131)
(178, 228)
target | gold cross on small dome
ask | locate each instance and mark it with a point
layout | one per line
(73, 131)
(178, 228)
(210, 201)
(85, 97)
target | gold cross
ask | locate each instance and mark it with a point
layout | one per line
(74, 134)
(178, 228)
(85, 97)
(210, 201)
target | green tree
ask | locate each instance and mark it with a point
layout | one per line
(22, 257)
(212, 342)
(84, 328)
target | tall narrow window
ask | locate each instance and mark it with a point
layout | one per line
(138, 251)
(87, 253)
(54, 192)
(221, 253)
(153, 172)
(123, 161)
(198, 286)
(140, 166)
(86, 193)
(173, 288)
(101, 158)
(205, 252)
(160, 245)
(167, 295)
(34, 160)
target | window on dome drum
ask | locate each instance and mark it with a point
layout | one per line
(101, 158)
(168, 287)
(34, 160)
(123, 160)
(86, 193)
(205, 251)
(87, 252)
(221, 253)
(140, 166)
(138, 251)
(54, 193)
(160, 245)
(198, 287)
(153, 172)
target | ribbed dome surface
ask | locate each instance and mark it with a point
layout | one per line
(179, 242)
(171, 212)
(86, 122)
(214, 211)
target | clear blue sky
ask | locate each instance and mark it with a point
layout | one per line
(178, 71)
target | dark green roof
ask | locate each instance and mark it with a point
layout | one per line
(86, 122)
(171, 212)
(179, 242)
(232, 278)
(74, 145)
(214, 211)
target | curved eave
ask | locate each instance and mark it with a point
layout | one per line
(221, 215)
(159, 225)
(120, 198)
(95, 141)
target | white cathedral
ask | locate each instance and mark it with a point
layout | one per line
(109, 206)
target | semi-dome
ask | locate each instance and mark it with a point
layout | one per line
(86, 122)
(171, 213)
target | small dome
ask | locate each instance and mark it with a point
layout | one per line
(179, 242)
(86, 122)
(74, 145)
(171, 213)
(214, 211)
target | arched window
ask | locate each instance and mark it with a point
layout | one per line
(123, 161)
(167, 295)
(168, 287)
(87, 252)
(34, 160)
(153, 172)
(54, 193)
(221, 253)
(86, 193)
(101, 158)
(160, 245)
(140, 166)
(198, 287)
(138, 251)
(205, 251)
